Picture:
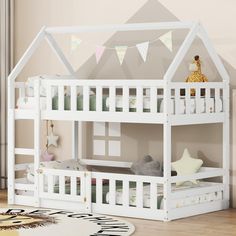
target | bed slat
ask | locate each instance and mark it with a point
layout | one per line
(197, 100)
(139, 101)
(153, 100)
(153, 196)
(207, 100)
(187, 101)
(99, 191)
(177, 101)
(61, 97)
(139, 194)
(73, 98)
(125, 99)
(86, 98)
(50, 183)
(62, 184)
(73, 186)
(112, 192)
(49, 97)
(125, 193)
(112, 98)
(217, 100)
(99, 98)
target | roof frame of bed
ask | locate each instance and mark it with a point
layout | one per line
(195, 29)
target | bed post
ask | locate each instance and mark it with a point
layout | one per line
(167, 153)
(37, 151)
(226, 147)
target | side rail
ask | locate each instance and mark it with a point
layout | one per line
(66, 185)
(103, 95)
(134, 192)
(198, 98)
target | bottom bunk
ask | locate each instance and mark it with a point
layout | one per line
(123, 194)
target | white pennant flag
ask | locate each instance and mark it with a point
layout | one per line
(143, 49)
(167, 40)
(99, 51)
(74, 42)
(121, 51)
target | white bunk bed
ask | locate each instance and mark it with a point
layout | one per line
(88, 195)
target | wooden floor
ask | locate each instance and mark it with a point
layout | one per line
(221, 223)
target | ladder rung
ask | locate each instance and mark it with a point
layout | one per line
(23, 114)
(24, 151)
(22, 166)
(29, 187)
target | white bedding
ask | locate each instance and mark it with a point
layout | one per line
(176, 203)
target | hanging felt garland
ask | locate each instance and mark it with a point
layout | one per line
(142, 47)
(51, 141)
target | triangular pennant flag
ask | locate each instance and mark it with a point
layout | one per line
(121, 50)
(75, 42)
(166, 39)
(99, 52)
(143, 49)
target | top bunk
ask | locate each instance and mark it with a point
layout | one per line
(120, 100)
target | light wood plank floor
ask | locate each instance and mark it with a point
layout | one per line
(221, 223)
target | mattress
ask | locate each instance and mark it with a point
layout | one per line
(29, 103)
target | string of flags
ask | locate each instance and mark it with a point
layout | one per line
(142, 48)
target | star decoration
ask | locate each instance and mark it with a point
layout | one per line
(52, 140)
(46, 156)
(186, 166)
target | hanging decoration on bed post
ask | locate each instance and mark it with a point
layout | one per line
(121, 51)
(166, 39)
(52, 139)
(47, 156)
(143, 49)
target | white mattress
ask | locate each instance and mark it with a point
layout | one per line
(176, 203)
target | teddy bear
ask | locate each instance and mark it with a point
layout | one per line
(147, 166)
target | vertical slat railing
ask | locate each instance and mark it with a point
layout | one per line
(153, 195)
(139, 96)
(207, 100)
(49, 97)
(50, 184)
(177, 101)
(85, 98)
(99, 190)
(153, 100)
(98, 98)
(197, 100)
(187, 101)
(125, 99)
(139, 194)
(112, 99)
(73, 186)
(112, 192)
(217, 100)
(125, 193)
(61, 97)
(61, 184)
(73, 98)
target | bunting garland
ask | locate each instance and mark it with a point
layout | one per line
(142, 48)
(166, 39)
(121, 51)
(99, 51)
(75, 42)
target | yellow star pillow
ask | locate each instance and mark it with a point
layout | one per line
(186, 166)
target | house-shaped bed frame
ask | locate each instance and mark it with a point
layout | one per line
(82, 200)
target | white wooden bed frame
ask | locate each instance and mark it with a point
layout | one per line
(82, 202)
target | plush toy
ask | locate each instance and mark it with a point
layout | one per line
(147, 166)
(196, 73)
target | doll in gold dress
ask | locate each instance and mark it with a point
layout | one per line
(196, 73)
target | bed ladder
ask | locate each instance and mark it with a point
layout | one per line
(22, 184)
